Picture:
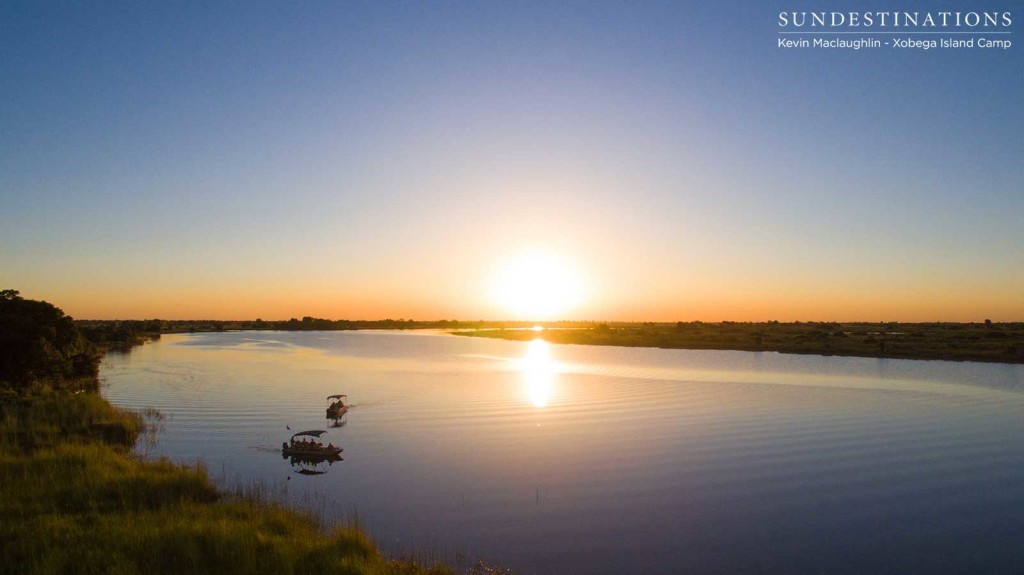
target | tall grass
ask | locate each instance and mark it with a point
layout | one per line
(46, 418)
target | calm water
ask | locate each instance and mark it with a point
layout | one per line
(575, 459)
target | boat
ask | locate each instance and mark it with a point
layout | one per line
(307, 445)
(336, 406)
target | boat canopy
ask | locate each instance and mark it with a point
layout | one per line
(336, 396)
(310, 433)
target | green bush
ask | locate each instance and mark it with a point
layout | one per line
(39, 345)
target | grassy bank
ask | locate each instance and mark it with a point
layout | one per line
(75, 500)
(991, 342)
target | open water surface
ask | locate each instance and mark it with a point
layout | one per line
(574, 459)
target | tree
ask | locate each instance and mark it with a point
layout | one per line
(39, 344)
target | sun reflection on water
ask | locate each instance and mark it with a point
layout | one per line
(539, 371)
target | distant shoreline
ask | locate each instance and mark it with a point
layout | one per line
(987, 342)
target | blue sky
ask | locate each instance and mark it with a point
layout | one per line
(377, 159)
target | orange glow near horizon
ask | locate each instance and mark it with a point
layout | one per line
(479, 286)
(156, 303)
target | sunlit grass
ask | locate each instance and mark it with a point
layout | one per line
(46, 418)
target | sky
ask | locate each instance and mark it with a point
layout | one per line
(368, 160)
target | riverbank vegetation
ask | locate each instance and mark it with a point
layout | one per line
(74, 498)
(987, 341)
(117, 332)
(983, 341)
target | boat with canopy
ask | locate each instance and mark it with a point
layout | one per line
(308, 444)
(336, 406)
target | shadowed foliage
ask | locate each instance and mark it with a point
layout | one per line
(39, 345)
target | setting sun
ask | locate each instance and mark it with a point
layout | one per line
(537, 287)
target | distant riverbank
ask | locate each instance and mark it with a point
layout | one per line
(988, 342)
(985, 341)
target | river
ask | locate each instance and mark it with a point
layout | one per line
(557, 459)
